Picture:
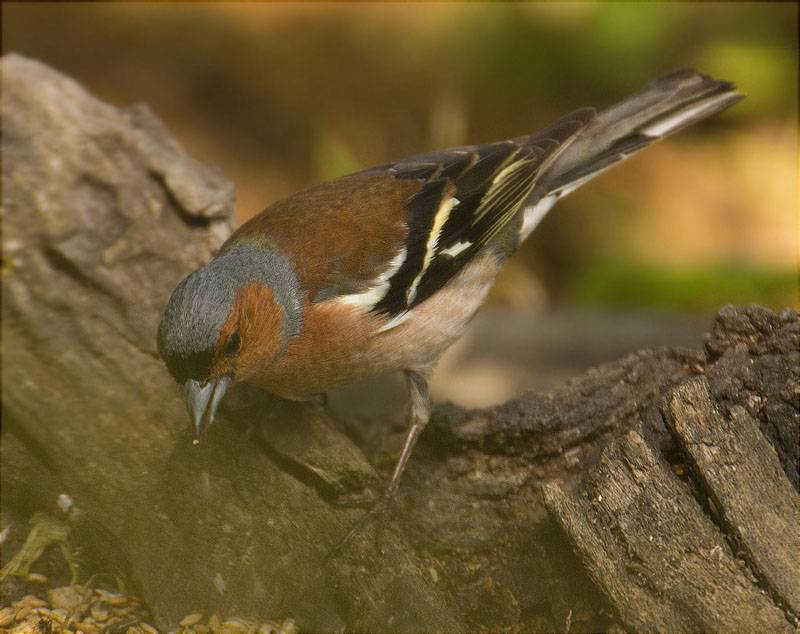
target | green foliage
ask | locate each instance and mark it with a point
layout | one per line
(624, 284)
(333, 158)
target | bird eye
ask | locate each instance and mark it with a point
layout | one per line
(232, 345)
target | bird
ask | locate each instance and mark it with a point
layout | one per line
(382, 270)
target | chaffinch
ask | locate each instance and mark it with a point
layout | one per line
(382, 270)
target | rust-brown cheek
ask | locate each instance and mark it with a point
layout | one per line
(257, 318)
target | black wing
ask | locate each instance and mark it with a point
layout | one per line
(469, 194)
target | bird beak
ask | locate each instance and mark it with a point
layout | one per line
(203, 399)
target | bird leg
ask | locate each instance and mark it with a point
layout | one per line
(419, 413)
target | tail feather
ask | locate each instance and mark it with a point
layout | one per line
(664, 106)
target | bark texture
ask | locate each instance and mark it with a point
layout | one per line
(657, 492)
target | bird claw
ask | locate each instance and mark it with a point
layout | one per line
(381, 506)
(361, 502)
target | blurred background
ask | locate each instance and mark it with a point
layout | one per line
(281, 96)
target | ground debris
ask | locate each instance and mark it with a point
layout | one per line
(77, 609)
(74, 608)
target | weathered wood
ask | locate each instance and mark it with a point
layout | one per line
(740, 472)
(754, 363)
(650, 548)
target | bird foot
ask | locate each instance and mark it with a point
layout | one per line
(380, 507)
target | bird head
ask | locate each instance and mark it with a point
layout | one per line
(226, 320)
